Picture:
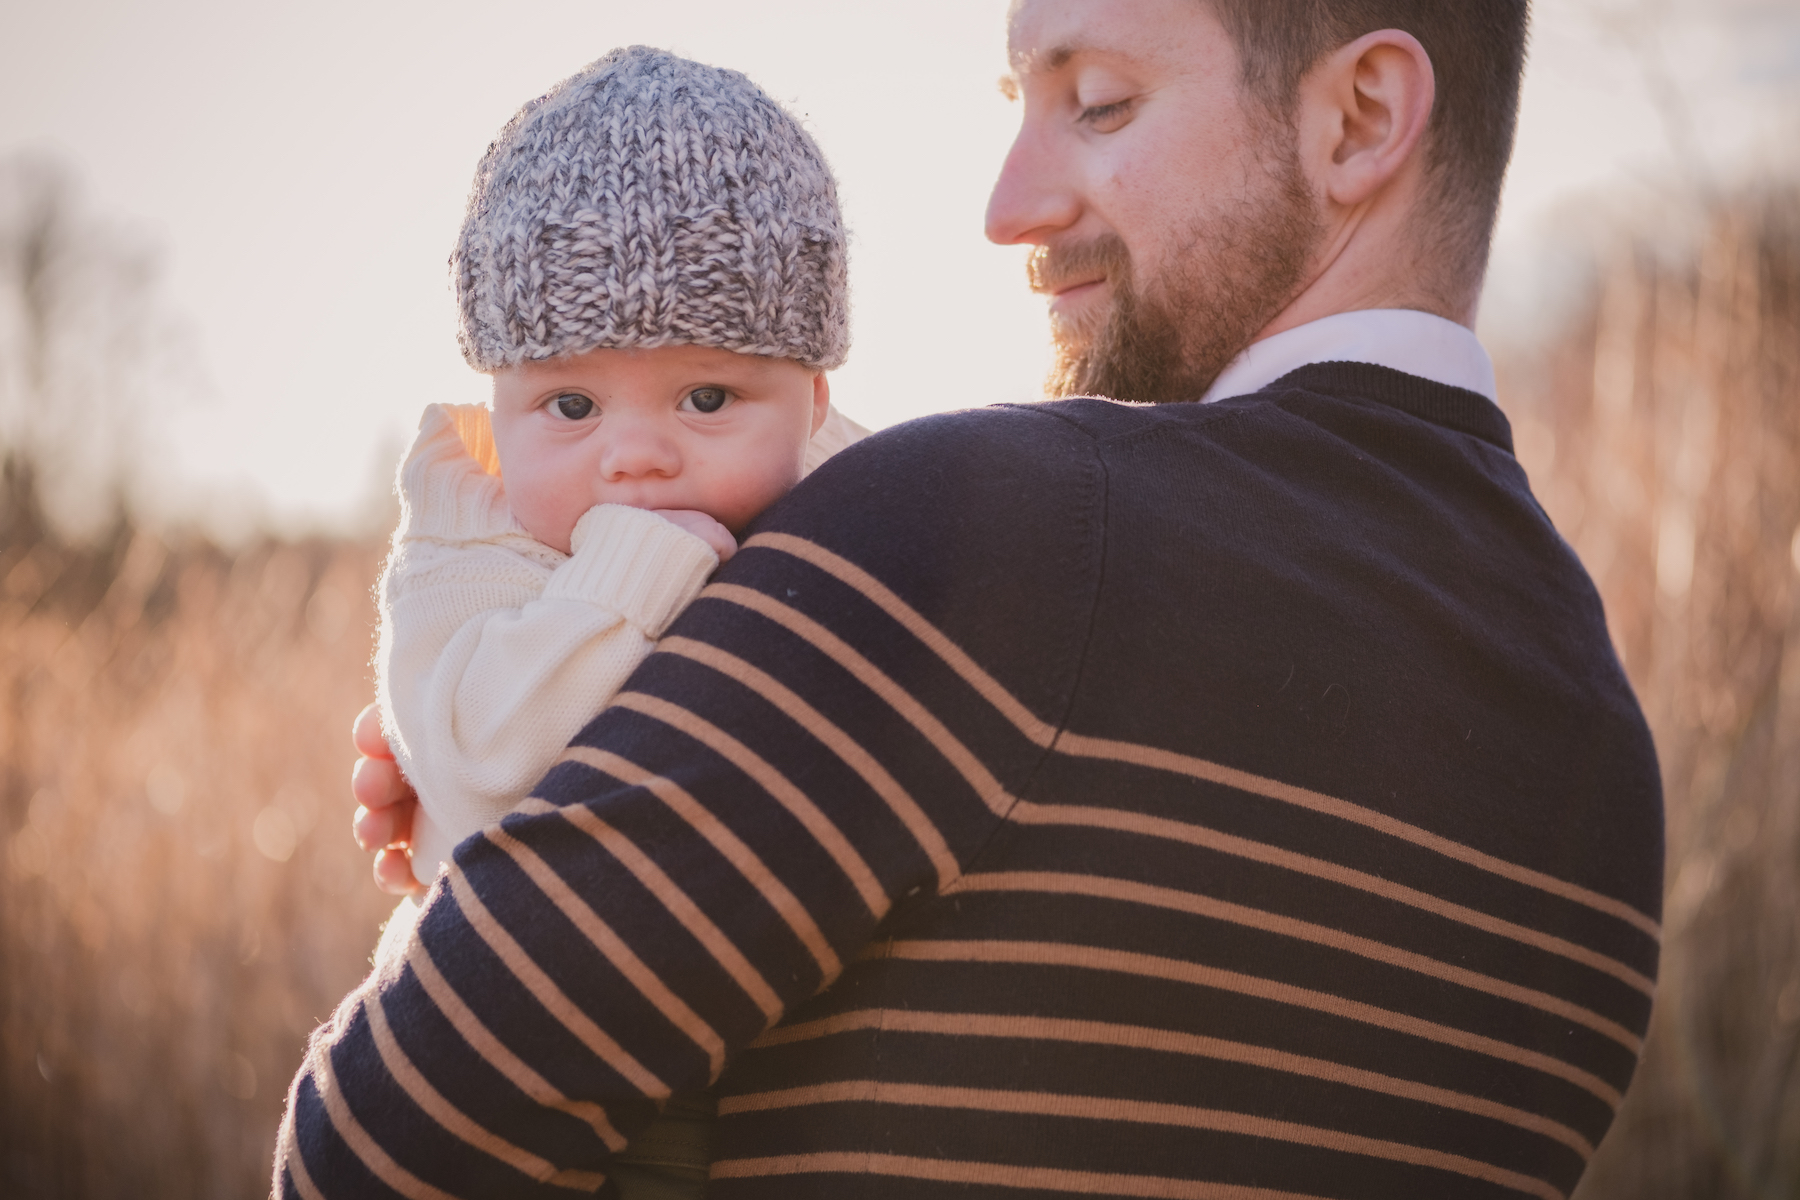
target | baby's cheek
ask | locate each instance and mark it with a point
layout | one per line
(549, 519)
(763, 490)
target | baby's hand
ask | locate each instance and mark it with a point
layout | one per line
(704, 528)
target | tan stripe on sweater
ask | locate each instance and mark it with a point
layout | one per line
(830, 838)
(884, 598)
(1165, 760)
(614, 949)
(1099, 958)
(1168, 1041)
(728, 844)
(677, 902)
(1127, 821)
(366, 1149)
(834, 739)
(1027, 812)
(1100, 887)
(496, 1054)
(532, 977)
(296, 1165)
(1140, 1112)
(1043, 1179)
(1043, 733)
(872, 677)
(457, 1123)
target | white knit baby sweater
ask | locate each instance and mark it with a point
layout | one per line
(496, 649)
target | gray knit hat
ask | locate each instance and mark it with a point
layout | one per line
(652, 201)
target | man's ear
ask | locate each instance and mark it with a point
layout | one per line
(1364, 110)
(821, 400)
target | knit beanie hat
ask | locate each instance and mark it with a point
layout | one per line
(652, 201)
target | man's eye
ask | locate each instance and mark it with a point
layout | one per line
(573, 406)
(1104, 118)
(706, 400)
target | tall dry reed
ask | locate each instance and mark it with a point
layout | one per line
(180, 902)
(1662, 432)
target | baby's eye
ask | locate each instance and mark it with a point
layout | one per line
(705, 399)
(572, 405)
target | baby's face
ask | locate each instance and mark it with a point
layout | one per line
(683, 427)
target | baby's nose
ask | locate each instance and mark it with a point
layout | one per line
(636, 448)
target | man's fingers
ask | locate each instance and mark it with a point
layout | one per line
(383, 822)
(375, 828)
(393, 873)
(371, 827)
(377, 783)
(366, 734)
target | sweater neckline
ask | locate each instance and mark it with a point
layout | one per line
(1440, 403)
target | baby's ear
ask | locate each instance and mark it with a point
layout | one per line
(474, 424)
(821, 400)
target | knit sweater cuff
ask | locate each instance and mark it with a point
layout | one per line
(635, 563)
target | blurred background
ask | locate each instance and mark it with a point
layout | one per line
(223, 302)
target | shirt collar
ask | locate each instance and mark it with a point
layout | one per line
(1415, 342)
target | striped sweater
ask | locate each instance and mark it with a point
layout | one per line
(1237, 802)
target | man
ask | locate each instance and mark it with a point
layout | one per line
(1234, 800)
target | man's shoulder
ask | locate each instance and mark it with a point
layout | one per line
(977, 453)
(984, 530)
(956, 497)
(1022, 432)
(995, 428)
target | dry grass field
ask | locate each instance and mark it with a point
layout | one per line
(1662, 431)
(180, 901)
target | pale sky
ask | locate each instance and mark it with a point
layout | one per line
(302, 171)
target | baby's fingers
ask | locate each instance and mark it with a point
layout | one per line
(703, 527)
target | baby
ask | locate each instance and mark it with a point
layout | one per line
(652, 269)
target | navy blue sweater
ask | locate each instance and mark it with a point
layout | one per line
(1238, 801)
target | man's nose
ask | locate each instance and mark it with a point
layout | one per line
(635, 448)
(1032, 200)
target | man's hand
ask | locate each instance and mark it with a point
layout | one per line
(704, 528)
(386, 804)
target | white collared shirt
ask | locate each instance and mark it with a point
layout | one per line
(1415, 342)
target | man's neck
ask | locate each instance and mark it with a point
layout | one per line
(1381, 255)
(1315, 305)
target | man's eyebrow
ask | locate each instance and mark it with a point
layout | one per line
(1030, 62)
(1038, 62)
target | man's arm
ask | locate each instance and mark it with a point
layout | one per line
(792, 765)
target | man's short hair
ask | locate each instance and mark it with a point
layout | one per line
(1477, 50)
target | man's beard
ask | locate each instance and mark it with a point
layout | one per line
(1220, 285)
